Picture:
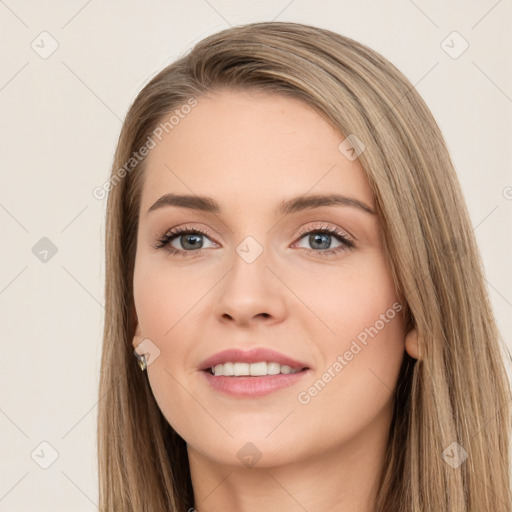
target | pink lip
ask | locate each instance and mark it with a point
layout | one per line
(256, 355)
(250, 387)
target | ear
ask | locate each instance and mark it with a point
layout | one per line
(411, 343)
(137, 337)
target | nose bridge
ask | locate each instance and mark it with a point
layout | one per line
(249, 267)
(250, 288)
(251, 250)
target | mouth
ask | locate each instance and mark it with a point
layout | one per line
(255, 373)
(246, 386)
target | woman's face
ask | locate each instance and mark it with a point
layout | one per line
(253, 275)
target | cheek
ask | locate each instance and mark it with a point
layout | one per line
(164, 302)
(349, 299)
(362, 353)
(353, 393)
(163, 297)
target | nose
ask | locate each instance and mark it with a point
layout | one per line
(251, 292)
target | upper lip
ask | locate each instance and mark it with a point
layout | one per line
(236, 355)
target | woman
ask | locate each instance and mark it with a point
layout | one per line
(290, 260)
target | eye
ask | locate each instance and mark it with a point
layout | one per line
(319, 237)
(189, 239)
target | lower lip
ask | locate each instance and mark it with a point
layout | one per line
(253, 386)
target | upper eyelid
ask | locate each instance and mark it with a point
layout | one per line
(319, 225)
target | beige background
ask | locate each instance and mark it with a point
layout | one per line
(61, 116)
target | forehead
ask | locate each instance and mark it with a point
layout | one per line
(252, 149)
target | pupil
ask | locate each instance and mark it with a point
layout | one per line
(193, 244)
(313, 239)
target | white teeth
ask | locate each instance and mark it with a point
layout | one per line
(273, 368)
(251, 369)
(228, 369)
(256, 369)
(240, 369)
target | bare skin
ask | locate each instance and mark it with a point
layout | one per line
(318, 450)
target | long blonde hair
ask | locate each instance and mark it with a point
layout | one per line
(458, 392)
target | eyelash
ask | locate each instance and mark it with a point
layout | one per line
(165, 240)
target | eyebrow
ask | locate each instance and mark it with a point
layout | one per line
(296, 204)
